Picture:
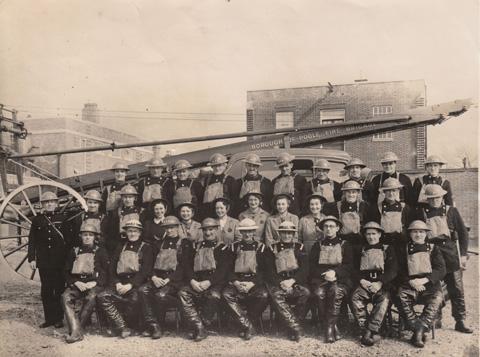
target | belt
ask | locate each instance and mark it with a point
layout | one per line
(372, 275)
(246, 275)
(83, 276)
(287, 274)
(160, 273)
(126, 276)
(205, 272)
(438, 240)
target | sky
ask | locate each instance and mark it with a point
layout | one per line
(164, 60)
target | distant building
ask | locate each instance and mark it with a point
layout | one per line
(310, 106)
(51, 134)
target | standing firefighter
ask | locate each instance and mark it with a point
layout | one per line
(246, 279)
(446, 228)
(111, 193)
(48, 245)
(389, 165)
(204, 290)
(355, 168)
(87, 275)
(374, 266)
(171, 270)
(421, 267)
(287, 272)
(118, 218)
(433, 164)
(330, 271)
(253, 182)
(130, 267)
(152, 187)
(217, 184)
(289, 182)
(321, 184)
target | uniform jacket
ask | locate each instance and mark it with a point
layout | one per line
(426, 180)
(337, 192)
(196, 190)
(300, 275)
(299, 185)
(343, 271)
(112, 226)
(150, 180)
(260, 218)
(366, 188)
(266, 188)
(406, 192)
(309, 232)
(208, 209)
(192, 231)
(271, 226)
(116, 186)
(261, 253)
(49, 240)
(146, 259)
(407, 217)
(152, 231)
(229, 232)
(101, 265)
(217, 277)
(389, 272)
(76, 222)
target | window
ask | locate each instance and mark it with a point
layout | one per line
(284, 120)
(382, 110)
(332, 116)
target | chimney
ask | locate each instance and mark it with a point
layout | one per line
(156, 151)
(90, 113)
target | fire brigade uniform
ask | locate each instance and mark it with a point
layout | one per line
(288, 261)
(150, 187)
(352, 216)
(180, 191)
(111, 196)
(173, 256)
(406, 192)
(84, 264)
(48, 244)
(364, 184)
(420, 184)
(247, 265)
(309, 232)
(293, 185)
(209, 263)
(329, 189)
(97, 219)
(260, 217)
(249, 183)
(446, 228)
(373, 263)
(131, 263)
(272, 224)
(420, 261)
(394, 218)
(115, 220)
(191, 230)
(330, 254)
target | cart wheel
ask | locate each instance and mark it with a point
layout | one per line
(16, 213)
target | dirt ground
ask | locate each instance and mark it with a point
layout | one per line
(21, 313)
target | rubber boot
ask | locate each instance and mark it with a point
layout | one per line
(156, 332)
(367, 338)
(76, 333)
(200, 333)
(330, 333)
(417, 338)
(460, 327)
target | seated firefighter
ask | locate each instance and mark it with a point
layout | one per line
(87, 274)
(246, 279)
(130, 267)
(204, 290)
(171, 269)
(421, 267)
(287, 271)
(330, 270)
(375, 266)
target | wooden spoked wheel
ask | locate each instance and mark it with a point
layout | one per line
(16, 213)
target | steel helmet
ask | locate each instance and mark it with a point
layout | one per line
(330, 218)
(119, 166)
(433, 191)
(93, 195)
(209, 223)
(372, 225)
(321, 164)
(287, 226)
(88, 227)
(351, 185)
(355, 162)
(418, 225)
(181, 165)
(217, 159)
(253, 159)
(247, 224)
(434, 159)
(391, 184)
(133, 223)
(156, 162)
(389, 157)
(128, 190)
(284, 158)
(170, 221)
(49, 196)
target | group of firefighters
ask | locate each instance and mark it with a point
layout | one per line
(171, 241)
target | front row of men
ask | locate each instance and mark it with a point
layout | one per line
(246, 276)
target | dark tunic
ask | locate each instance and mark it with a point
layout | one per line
(261, 251)
(427, 180)
(101, 266)
(300, 275)
(406, 192)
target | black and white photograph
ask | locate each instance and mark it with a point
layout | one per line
(239, 178)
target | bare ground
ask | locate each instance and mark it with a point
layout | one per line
(21, 313)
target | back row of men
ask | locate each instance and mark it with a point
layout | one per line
(332, 228)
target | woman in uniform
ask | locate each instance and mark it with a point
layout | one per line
(256, 213)
(189, 228)
(154, 229)
(228, 227)
(308, 230)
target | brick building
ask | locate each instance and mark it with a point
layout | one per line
(50, 134)
(309, 106)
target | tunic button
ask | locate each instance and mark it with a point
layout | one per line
(49, 246)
